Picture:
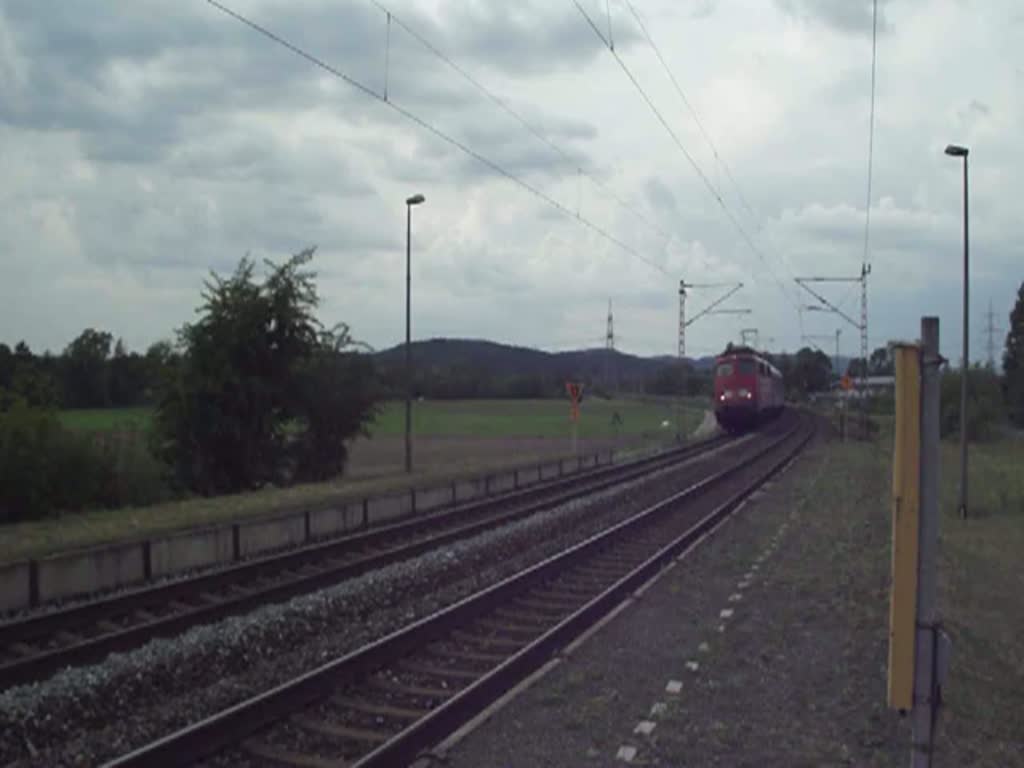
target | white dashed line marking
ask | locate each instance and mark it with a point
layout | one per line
(693, 666)
(644, 727)
(658, 709)
(725, 613)
(674, 686)
(626, 754)
(735, 597)
(721, 627)
(703, 647)
(743, 584)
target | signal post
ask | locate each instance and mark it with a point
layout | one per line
(918, 648)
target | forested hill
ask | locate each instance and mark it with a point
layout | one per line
(471, 367)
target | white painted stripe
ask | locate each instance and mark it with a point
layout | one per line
(735, 597)
(703, 647)
(725, 613)
(693, 666)
(658, 709)
(743, 584)
(644, 727)
(721, 627)
(626, 754)
(674, 686)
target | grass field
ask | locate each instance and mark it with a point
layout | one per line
(463, 418)
(107, 419)
(452, 439)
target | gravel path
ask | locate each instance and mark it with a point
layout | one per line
(752, 651)
(84, 715)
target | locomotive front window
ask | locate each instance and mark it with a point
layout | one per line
(725, 369)
(747, 367)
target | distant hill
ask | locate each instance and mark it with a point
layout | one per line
(475, 367)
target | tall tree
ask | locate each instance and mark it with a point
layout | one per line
(86, 373)
(1013, 362)
(254, 368)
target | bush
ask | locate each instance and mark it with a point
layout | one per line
(44, 467)
(984, 404)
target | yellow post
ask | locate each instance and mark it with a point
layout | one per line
(906, 501)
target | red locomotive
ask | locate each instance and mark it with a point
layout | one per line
(748, 389)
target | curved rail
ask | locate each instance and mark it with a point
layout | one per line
(384, 703)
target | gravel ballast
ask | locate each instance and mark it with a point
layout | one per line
(85, 715)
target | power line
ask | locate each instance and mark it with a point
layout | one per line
(434, 130)
(503, 105)
(696, 167)
(693, 112)
(871, 128)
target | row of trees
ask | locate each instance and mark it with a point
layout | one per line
(93, 371)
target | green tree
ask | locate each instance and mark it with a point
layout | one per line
(811, 371)
(881, 362)
(256, 375)
(1013, 362)
(86, 372)
(7, 363)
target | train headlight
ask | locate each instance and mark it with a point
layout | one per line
(727, 394)
(745, 393)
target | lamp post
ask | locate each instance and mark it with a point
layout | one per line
(957, 151)
(409, 203)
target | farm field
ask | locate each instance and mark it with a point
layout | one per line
(465, 418)
(452, 439)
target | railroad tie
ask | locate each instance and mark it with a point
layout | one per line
(407, 714)
(260, 749)
(486, 658)
(421, 691)
(23, 649)
(445, 673)
(488, 641)
(338, 731)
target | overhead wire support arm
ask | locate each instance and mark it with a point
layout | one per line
(802, 282)
(710, 308)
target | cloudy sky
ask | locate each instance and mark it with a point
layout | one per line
(143, 143)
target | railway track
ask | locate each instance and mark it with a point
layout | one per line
(35, 646)
(387, 702)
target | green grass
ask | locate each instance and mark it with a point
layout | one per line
(981, 581)
(106, 419)
(529, 418)
(464, 418)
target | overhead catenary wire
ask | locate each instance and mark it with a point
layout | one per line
(504, 106)
(712, 189)
(871, 131)
(437, 132)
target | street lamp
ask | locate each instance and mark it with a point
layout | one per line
(409, 203)
(956, 151)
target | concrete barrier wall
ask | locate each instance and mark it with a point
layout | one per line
(14, 586)
(503, 483)
(276, 533)
(325, 523)
(430, 499)
(90, 570)
(93, 570)
(548, 471)
(384, 509)
(529, 476)
(469, 490)
(192, 549)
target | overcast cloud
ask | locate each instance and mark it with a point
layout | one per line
(143, 143)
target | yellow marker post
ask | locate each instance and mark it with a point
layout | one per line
(906, 501)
